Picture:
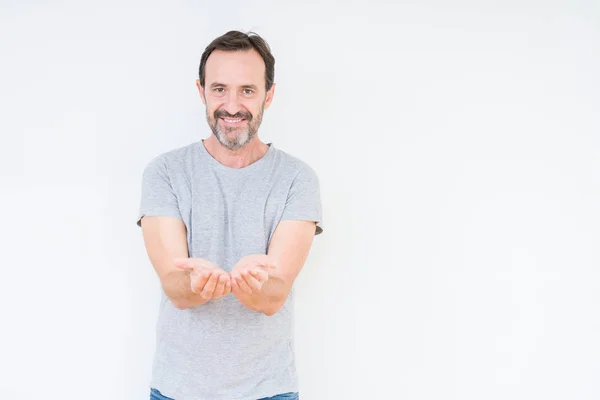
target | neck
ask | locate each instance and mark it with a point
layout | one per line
(239, 158)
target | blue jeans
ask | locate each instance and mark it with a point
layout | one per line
(156, 395)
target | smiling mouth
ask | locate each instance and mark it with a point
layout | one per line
(233, 121)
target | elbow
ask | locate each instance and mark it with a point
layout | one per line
(180, 304)
(269, 312)
(272, 308)
(181, 307)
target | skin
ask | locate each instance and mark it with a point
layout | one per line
(235, 97)
(235, 86)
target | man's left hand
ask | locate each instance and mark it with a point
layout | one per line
(250, 274)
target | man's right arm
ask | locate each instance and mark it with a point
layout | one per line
(165, 239)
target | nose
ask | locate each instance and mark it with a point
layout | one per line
(232, 104)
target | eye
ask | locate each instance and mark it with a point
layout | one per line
(248, 91)
(219, 90)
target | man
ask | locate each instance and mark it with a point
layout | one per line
(228, 223)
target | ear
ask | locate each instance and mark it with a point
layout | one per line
(269, 97)
(201, 91)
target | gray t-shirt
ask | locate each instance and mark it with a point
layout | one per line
(221, 349)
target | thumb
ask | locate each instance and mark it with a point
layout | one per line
(183, 263)
(268, 262)
(192, 263)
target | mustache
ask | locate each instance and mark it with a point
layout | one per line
(240, 114)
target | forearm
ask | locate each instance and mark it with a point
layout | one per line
(177, 287)
(285, 258)
(269, 299)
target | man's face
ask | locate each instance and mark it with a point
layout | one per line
(235, 96)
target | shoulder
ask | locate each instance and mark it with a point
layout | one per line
(172, 159)
(295, 166)
(179, 154)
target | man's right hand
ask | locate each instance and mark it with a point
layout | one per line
(206, 279)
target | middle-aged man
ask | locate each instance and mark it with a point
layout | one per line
(228, 222)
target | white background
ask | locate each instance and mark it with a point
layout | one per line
(458, 148)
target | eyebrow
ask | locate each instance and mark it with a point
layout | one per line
(219, 84)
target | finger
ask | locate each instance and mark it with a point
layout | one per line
(260, 274)
(244, 288)
(227, 289)
(220, 288)
(198, 279)
(233, 279)
(267, 261)
(262, 260)
(251, 280)
(235, 288)
(209, 287)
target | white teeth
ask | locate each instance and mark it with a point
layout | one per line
(231, 120)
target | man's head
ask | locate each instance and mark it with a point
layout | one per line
(236, 84)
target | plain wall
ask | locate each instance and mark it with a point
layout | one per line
(458, 149)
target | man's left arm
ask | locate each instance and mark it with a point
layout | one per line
(288, 250)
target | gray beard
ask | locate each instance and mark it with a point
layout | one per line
(244, 135)
(236, 142)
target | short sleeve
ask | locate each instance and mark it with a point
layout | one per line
(158, 199)
(304, 199)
